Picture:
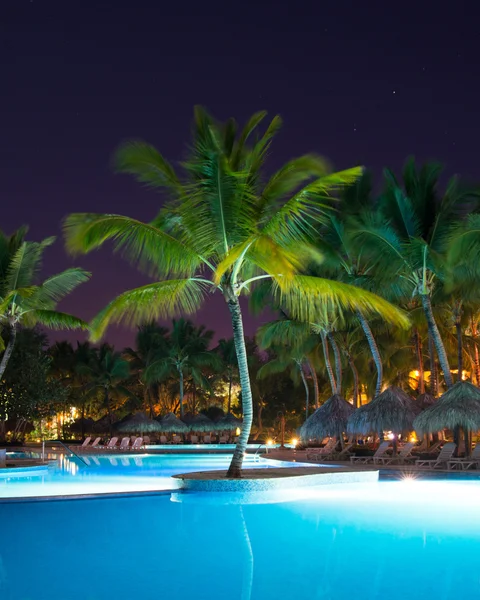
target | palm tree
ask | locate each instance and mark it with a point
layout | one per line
(25, 302)
(106, 372)
(226, 350)
(408, 234)
(223, 230)
(186, 352)
(151, 344)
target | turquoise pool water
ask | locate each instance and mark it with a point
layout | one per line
(395, 540)
(115, 473)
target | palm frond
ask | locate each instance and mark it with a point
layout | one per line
(142, 243)
(150, 302)
(56, 287)
(58, 320)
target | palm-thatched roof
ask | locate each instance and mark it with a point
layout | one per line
(170, 423)
(330, 420)
(425, 400)
(138, 423)
(228, 423)
(202, 423)
(392, 410)
(458, 407)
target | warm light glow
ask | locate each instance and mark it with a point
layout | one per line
(294, 442)
(413, 438)
(237, 431)
(269, 442)
(390, 435)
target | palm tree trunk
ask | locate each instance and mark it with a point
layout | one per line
(458, 328)
(437, 339)
(109, 412)
(9, 349)
(476, 360)
(433, 367)
(305, 384)
(354, 369)
(338, 362)
(372, 344)
(316, 392)
(230, 378)
(180, 372)
(421, 370)
(235, 469)
(328, 364)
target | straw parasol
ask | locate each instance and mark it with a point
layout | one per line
(425, 400)
(459, 407)
(138, 423)
(330, 420)
(392, 410)
(170, 423)
(228, 423)
(201, 423)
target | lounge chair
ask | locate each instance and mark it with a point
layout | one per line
(137, 444)
(207, 439)
(95, 445)
(125, 443)
(317, 453)
(177, 439)
(363, 460)
(341, 455)
(85, 443)
(223, 439)
(445, 455)
(111, 444)
(164, 440)
(469, 462)
(194, 439)
(146, 440)
(399, 458)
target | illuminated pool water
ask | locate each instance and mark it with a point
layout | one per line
(115, 473)
(392, 540)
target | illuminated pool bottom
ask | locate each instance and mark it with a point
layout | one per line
(395, 540)
(116, 474)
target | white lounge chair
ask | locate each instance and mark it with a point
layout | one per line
(363, 460)
(194, 439)
(445, 455)
(223, 439)
(95, 445)
(164, 440)
(125, 443)
(137, 444)
(207, 439)
(146, 440)
(111, 444)
(317, 453)
(177, 439)
(469, 462)
(341, 455)
(86, 441)
(399, 458)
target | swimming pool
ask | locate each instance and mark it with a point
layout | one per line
(395, 540)
(115, 473)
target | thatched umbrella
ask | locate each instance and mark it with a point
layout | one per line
(458, 408)
(228, 423)
(330, 420)
(138, 423)
(201, 423)
(392, 410)
(170, 423)
(425, 400)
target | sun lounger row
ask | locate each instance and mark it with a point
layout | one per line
(125, 444)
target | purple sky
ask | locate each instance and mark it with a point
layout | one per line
(360, 82)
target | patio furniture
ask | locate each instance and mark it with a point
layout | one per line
(363, 460)
(137, 444)
(469, 462)
(86, 442)
(111, 444)
(445, 455)
(316, 453)
(399, 458)
(125, 443)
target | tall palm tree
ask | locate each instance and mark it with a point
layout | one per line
(24, 301)
(223, 230)
(408, 235)
(186, 352)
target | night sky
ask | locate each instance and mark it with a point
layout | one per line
(360, 82)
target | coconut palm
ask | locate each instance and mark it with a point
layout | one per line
(408, 234)
(24, 301)
(222, 230)
(186, 352)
